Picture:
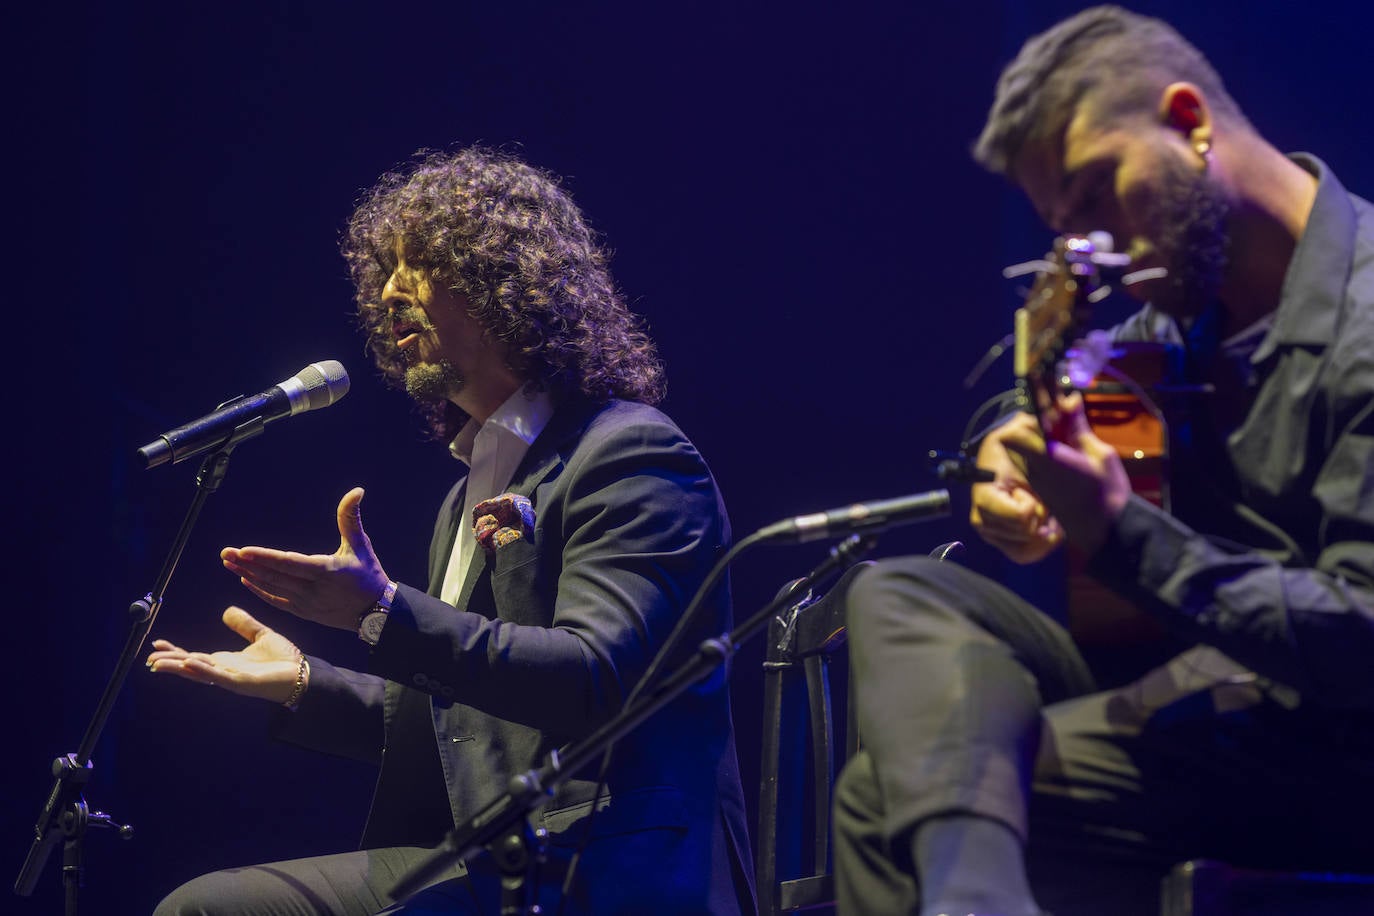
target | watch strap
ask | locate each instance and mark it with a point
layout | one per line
(371, 621)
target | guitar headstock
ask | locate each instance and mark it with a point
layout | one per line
(1057, 312)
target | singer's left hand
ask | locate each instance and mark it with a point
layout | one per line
(331, 589)
(1079, 477)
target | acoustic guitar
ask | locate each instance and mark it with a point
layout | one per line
(1056, 353)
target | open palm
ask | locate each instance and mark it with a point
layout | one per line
(266, 668)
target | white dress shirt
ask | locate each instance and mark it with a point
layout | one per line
(492, 451)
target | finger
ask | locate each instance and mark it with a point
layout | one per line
(163, 651)
(283, 586)
(260, 561)
(1024, 442)
(1051, 531)
(1010, 508)
(243, 623)
(1094, 447)
(1000, 528)
(277, 601)
(350, 517)
(1070, 421)
(154, 658)
(205, 671)
(1022, 551)
(1019, 423)
(1002, 538)
(203, 657)
(177, 667)
(1066, 458)
(1006, 545)
(1006, 519)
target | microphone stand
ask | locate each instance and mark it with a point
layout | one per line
(503, 826)
(65, 815)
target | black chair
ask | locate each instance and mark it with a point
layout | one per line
(798, 764)
(800, 759)
(800, 756)
(1207, 888)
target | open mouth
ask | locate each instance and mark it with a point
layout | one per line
(406, 331)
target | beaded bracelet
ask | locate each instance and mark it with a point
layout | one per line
(302, 678)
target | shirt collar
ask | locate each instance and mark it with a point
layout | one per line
(523, 415)
(1314, 286)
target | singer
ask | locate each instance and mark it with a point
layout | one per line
(581, 522)
(983, 728)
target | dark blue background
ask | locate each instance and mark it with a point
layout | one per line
(789, 195)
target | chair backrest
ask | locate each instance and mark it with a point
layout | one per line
(800, 753)
(798, 765)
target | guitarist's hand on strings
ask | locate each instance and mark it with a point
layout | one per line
(1006, 512)
(1077, 476)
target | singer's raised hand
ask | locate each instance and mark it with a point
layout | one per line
(331, 589)
(266, 668)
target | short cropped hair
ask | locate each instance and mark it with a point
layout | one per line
(1117, 60)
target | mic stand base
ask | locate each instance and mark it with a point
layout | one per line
(64, 814)
(518, 856)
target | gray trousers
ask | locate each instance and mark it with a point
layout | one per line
(971, 701)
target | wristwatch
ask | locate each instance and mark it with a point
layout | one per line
(374, 618)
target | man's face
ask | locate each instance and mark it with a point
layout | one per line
(1146, 185)
(433, 330)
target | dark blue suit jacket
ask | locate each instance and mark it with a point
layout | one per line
(549, 636)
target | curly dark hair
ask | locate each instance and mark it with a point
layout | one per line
(506, 236)
(1119, 60)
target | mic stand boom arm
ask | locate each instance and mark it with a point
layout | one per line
(65, 813)
(503, 823)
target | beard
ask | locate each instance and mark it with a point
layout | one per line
(1188, 224)
(433, 383)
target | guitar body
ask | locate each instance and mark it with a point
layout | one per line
(1121, 385)
(1097, 616)
(1122, 419)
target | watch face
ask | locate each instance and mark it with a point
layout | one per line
(371, 629)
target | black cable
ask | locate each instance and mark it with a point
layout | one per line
(1000, 401)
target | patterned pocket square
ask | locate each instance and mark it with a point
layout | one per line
(502, 520)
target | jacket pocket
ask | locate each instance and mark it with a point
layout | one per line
(654, 807)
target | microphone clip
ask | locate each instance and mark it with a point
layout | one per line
(958, 467)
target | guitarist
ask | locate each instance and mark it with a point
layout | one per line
(981, 724)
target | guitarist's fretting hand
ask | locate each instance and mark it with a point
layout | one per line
(1070, 472)
(1006, 512)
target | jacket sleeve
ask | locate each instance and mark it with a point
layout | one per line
(340, 714)
(635, 531)
(1309, 627)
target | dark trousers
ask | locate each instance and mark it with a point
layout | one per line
(347, 884)
(623, 875)
(971, 701)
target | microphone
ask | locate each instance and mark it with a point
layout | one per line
(877, 515)
(317, 385)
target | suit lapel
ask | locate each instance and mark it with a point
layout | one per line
(546, 453)
(544, 456)
(446, 536)
(476, 568)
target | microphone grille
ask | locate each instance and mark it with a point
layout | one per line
(1102, 240)
(324, 383)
